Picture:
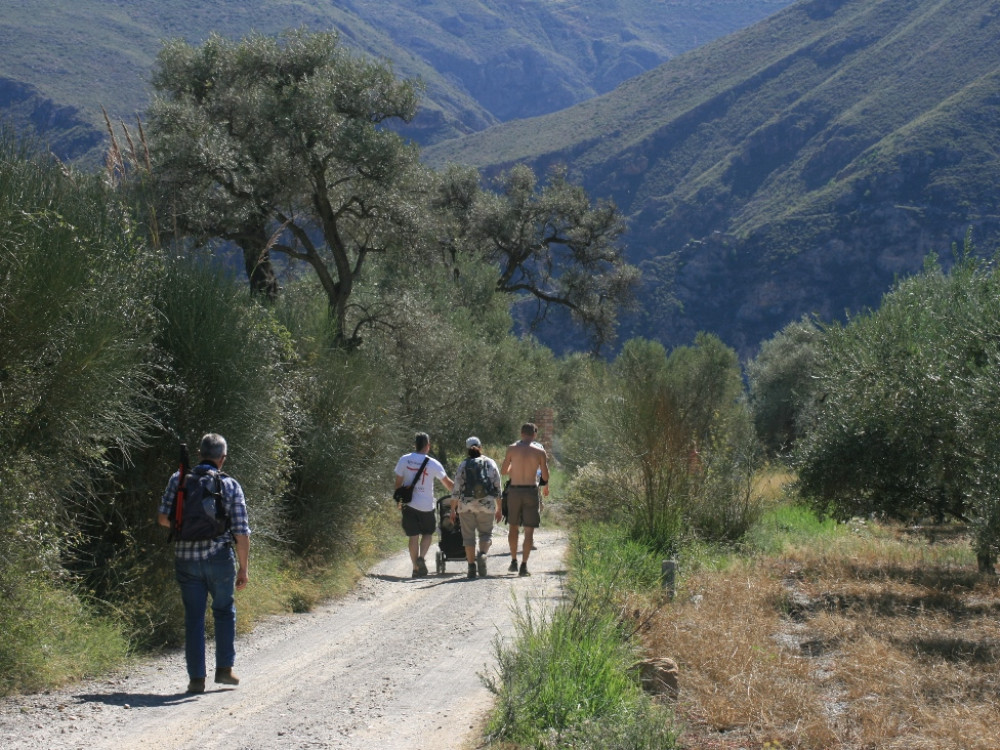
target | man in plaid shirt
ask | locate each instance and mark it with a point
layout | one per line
(209, 568)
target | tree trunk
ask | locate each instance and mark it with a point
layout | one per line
(257, 262)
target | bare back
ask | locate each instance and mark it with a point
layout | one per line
(522, 462)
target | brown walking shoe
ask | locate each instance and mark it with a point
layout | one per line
(197, 685)
(225, 676)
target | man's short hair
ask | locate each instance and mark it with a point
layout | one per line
(422, 440)
(213, 446)
(528, 428)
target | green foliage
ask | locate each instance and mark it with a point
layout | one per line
(550, 243)
(76, 319)
(570, 680)
(904, 422)
(789, 524)
(571, 675)
(343, 428)
(603, 557)
(77, 367)
(50, 637)
(670, 439)
(781, 383)
(279, 145)
(227, 358)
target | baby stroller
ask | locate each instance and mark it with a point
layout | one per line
(450, 546)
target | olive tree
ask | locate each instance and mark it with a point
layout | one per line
(782, 381)
(281, 145)
(550, 243)
(904, 419)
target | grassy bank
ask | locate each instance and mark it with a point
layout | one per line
(571, 678)
(810, 634)
(59, 634)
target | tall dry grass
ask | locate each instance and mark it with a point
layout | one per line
(873, 638)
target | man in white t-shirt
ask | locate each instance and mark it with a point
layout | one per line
(419, 470)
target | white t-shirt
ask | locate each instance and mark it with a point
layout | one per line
(423, 493)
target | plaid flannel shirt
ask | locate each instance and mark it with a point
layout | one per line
(236, 510)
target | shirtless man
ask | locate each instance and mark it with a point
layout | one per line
(522, 463)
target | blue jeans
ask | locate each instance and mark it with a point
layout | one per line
(199, 579)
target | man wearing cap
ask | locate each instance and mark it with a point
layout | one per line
(474, 501)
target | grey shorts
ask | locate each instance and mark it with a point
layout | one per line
(522, 506)
(476, 518)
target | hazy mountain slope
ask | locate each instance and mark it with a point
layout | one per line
(793, 167)
(483, 61)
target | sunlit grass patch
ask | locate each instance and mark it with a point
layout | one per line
(51, 638)
(570, 681)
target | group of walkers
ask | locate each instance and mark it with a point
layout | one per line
(215, 562)
(475, 499)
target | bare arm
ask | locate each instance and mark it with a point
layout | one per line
(505, 467)
(242, 544)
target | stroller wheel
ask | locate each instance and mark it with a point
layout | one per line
(439, 558)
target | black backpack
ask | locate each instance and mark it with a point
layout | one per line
(204, 516)
(477, 480)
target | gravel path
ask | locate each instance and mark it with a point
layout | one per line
(394, 664)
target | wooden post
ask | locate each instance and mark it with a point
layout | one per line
(668, 574)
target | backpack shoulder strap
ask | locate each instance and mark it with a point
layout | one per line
(420, 471)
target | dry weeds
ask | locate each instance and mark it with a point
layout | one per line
(878, 639)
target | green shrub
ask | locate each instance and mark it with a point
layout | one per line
(570, 680)
(905, 425)
(593, 494)
(50, 637)
(666, 442)
(781, 384)
(571, 667)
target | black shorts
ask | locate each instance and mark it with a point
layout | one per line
(417, 522)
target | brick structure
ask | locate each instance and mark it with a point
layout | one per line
(545, 421)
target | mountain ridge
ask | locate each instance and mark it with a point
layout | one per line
(483, 61)
(794, 167)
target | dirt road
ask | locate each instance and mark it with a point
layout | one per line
(395, 664)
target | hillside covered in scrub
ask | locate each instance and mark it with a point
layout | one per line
(795, 167)
(482, 62)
